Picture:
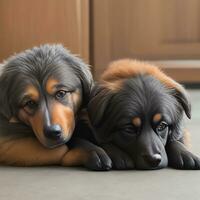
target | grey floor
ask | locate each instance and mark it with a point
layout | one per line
(73, 184)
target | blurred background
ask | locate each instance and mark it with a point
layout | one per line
(160, 31)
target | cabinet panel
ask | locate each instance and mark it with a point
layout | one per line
(143, 29)
(24, 24)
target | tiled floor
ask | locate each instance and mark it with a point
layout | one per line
(73, 184)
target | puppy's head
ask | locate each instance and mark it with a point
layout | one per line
(139, 110)
(44, 88)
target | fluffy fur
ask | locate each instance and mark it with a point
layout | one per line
(42, 92)
(136, 112)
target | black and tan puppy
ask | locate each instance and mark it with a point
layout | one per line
(136, 112)
(42, 91)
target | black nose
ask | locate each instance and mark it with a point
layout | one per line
(53, 131)
(153, 160)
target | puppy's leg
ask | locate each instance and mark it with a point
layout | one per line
(28, 151)
(180, 157)
(84, 153)
(120, 159)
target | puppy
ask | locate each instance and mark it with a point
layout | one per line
(42, 92)
(136, 112)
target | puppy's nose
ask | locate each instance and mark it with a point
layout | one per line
(153, 160)
(53, 131)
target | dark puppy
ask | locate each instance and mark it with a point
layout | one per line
(136, 112)
(42, 92)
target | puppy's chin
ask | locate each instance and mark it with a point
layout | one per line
(148, 167)
(53, 143)
(141, 164)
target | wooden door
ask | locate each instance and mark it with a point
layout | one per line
(25, 23)
(165, 32)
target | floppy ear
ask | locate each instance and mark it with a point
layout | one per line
(5, 110)
(179, 91)
(82, 70)
(85, 76)
(97, 107)
(183, 98)
(98, 103)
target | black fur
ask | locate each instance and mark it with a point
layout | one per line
(143, 96)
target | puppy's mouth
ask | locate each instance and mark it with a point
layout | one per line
(149, 163)
(53, 144)
(147, 167)
(53, 141)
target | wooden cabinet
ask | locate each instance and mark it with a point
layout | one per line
(25, 23)
(156, 30)
(164, 32)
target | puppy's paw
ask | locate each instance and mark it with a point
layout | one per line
(120, 159)
(180, 158)
(184, 160)
(98, 160)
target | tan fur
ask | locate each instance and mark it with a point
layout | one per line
(157, 117)
(13, 120)
(75, 157)
(29, 152)
(187, 139)
(35, 121)
(32, 92)
(137, 121)
(23, 116)
(50, 85)
(127, 68)
(114, 86)
(76, 99)
(64, 116)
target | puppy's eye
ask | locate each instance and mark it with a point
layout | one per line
(30, 104)
(130, 130)
(60, 94)
(161, 127)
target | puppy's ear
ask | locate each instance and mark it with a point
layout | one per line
(183, 98)
(85, 76)
(178, 91)
(5, 110)
(82, 70)
(98, 104)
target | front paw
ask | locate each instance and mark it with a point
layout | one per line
(180, 158)
(120, 159)
(98, 160)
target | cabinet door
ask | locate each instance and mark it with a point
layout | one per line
(151, 30)
(24, 24)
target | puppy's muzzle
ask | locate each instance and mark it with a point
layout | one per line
(153, 160)
(53, 132)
